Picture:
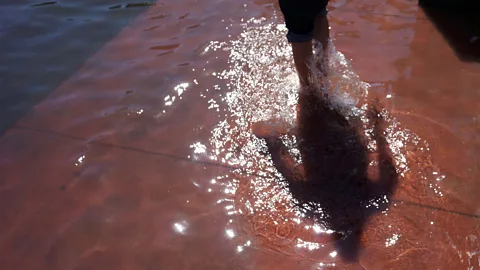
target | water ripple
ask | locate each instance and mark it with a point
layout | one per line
(262, 86)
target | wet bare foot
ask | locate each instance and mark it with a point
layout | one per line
(266, 129)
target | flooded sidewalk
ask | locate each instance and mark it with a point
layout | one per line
(129, 142)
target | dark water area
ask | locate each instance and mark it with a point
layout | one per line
(44, 43)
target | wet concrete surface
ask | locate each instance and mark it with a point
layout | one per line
(142, 157)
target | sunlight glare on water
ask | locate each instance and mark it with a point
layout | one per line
(261, 85)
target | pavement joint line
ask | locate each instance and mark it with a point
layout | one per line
(438, 209)
(104, 144)
(175, 157)
(379, 14)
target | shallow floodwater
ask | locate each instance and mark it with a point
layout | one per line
(128, 139)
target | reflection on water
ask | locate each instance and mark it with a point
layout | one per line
(170, 99)
(180, 227)
(262, 87)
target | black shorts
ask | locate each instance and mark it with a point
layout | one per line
(300, 17)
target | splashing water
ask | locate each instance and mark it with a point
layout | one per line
(263, 86)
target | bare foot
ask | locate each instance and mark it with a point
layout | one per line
(266, 129)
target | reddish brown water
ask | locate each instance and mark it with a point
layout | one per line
(138, 151)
